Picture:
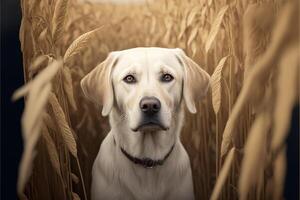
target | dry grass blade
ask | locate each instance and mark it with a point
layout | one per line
(75, 179)
(22, 91)
(31, 134)
(68, 87)
(49, 122)
(279, 174)
(75, 196)
(38, 91)
(192, 15)
(33, 109)
(52, 151)
(258, 20)
(37, 64)
(43, 35)
(79, 44)
(223, 175)
(287, 93)
(183, 27)
(37, 99)
(215, 82)
(62, 123)
(215, 28)
(58, 20)
(259, 75)
(42, 78)
(192, 36)
(254, 154)
(25, 168)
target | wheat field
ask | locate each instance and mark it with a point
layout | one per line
(236, 142)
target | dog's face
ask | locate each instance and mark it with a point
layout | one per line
(147, 85)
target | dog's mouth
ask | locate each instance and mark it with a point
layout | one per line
(150, 126)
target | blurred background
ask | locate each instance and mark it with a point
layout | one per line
(11, 78)
(239, 43)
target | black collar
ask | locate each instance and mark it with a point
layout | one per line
(147, 162)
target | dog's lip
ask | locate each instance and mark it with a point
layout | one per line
(150, 126)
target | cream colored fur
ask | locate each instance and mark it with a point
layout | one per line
(114, 176)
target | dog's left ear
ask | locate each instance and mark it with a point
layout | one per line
(97, 84)
(195, 81)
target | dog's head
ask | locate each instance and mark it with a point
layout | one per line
(147, 85)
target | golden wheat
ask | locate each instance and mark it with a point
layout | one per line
(249, 48)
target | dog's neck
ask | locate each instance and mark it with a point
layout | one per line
(153, 145)
(147, 162)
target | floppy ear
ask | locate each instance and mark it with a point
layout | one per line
(195, 81)
(97, 85)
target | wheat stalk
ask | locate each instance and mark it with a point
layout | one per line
(53, 154)
(58, 20)
(254, 154)
(285, 98)
(258, 75)
(215, 28)
(223, 175)
(215, 82)
(279, 171)
(79, 44)
(62, 124)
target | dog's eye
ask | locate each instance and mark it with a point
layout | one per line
(129, 79)
(167, 78)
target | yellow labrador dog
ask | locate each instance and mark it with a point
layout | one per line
(144, 90)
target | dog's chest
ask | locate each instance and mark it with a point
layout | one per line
(147, 183)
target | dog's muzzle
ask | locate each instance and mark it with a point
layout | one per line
(150, 107)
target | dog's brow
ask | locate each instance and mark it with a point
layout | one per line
(126, 72)
(166, 69)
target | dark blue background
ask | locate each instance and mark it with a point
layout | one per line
(11, 78)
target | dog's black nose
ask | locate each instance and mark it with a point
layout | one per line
(149, 105)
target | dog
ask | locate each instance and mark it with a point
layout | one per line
(144, 91)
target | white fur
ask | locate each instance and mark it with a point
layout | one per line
(114, 176)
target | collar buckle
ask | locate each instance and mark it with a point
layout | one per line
(148, 163)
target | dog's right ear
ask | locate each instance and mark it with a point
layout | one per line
(97, 84)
